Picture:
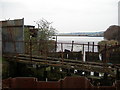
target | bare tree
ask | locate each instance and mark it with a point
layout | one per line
(45, 29)
(45, 32)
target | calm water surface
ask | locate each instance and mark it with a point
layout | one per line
(77, 39)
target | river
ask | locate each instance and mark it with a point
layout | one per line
(77, 39)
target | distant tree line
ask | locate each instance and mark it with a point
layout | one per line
(112, 33)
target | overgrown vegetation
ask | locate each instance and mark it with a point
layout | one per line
(113, 54)
(112, 39)
(108, 42)
(45, 29)
(41, 43)
(15, 69)
(112, 33)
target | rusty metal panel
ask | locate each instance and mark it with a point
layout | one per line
(0, 39)
(13, 36)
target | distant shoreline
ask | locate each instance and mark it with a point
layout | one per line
(88, 34)
(72, 35)
(79, 35)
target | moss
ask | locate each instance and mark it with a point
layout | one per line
(109, 42)
(113, 55)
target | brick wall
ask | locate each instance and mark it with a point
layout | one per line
(67, 82)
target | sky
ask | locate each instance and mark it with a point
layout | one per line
(65, 15)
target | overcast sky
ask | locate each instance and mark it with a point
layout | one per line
(66, 15)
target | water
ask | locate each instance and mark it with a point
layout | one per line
(77, 39)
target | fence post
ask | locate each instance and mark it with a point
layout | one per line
(93, 54)
(56, 44)
(83, 53)
(88, 51)
(72, 46)
(88, 46)
(93, 48)
(62, 52)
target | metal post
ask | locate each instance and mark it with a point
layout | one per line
(88, 46)
(56, 44)
(83, 53)
(88, 50)
(30, 48)
(93, 48)
(62, 52)
(72, 46)
(93, 58)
